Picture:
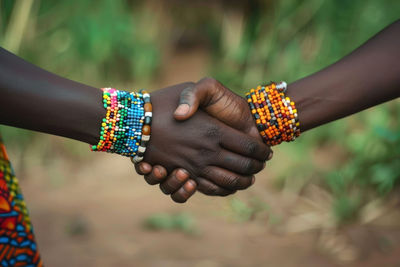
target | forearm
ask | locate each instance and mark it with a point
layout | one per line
(35, 99)
(368, 76)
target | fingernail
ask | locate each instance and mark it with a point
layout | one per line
(189, 186)
(253, 179)
(182, 109)
(182, 174)
(144, 168)
(270, 155)
(158, 172)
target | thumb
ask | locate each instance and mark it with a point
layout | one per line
(189, 102)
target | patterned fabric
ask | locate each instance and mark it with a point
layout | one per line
(17, 242)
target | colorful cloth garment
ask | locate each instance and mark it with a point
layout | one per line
(17, 242)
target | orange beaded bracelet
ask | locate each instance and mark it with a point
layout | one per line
(275, 114)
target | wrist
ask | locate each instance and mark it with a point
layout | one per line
(315, 97)
(303, 103)
(92, 114)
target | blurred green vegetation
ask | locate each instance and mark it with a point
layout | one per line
(172, 222)
(252, 209)
(249, 42)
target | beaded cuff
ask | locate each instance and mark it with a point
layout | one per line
(275, 114)
(146, 130)
(125, 130)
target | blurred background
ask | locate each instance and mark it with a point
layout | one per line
(329, 199)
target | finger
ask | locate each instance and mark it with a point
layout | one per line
(157, 175)
(143, 168)
(244, 144)
(201, 93)
(227, 179)
(185, 192)
(238, 164)
(211, 189)
(174, 181)
(189, 102)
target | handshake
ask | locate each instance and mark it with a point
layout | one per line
(208, 143)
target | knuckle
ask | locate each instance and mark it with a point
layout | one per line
(197, 163)
(248, 166)
(250, 147)
(235, 182)
(231, 181)
(207, 171)
(212, 190)
(212, 81)
(209, 80)
(212, 131)
(207, 153)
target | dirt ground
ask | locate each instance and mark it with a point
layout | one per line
(92, 214)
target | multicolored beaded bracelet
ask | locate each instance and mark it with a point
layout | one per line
(275, 114)
(125, 128)
(146, 130)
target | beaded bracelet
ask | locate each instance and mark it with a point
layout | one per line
(275, 114)
(125, 130)
(146, 130)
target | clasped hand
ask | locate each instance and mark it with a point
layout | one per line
(217, 151)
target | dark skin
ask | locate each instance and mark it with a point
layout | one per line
(218, 101)
(206, 147)
(219, 159)
(368, 76)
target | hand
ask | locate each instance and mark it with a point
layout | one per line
(220, 159)
(219, 102)
(178, 184)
